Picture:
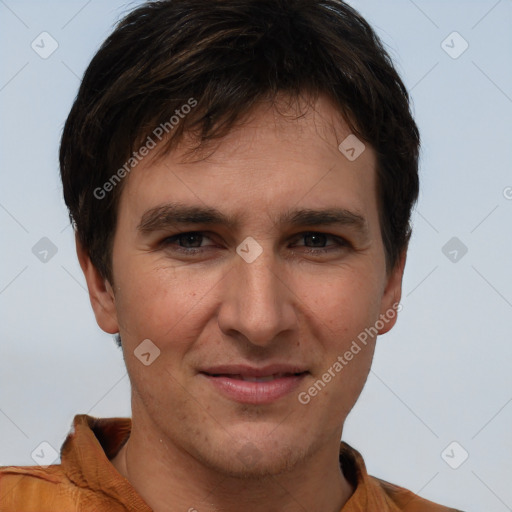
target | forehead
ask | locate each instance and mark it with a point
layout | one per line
(274, 161)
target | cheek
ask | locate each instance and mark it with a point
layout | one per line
(346, 304)
(342, 311)
(163, 304)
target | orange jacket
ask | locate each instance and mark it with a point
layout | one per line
(85, 480)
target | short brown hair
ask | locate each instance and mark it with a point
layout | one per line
(229, 55)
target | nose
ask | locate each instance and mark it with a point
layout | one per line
(257, 302)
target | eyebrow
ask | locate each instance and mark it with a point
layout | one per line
(173, 214)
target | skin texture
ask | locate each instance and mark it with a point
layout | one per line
(189, 444)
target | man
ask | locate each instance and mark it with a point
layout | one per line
(240, 175)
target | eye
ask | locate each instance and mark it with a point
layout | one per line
(189, 242)
(318, 242)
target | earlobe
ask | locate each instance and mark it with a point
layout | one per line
(390, 304)
(101, 294)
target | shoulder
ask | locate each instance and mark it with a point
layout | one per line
(34, 488)
(376, 494)
(403, 499)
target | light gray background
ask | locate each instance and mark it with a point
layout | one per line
(443, 374)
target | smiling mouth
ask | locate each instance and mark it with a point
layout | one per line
(267, 378)
(262, 389)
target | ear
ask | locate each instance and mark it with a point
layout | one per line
(101, 293)
(390, 303)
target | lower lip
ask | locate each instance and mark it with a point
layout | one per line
(255, 392)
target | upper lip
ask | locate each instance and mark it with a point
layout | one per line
(251, 371)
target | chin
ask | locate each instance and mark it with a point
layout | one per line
(254, 460)
(266, 468)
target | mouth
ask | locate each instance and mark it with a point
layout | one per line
(254, 386)
(247, 378)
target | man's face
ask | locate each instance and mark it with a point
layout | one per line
(218, 315)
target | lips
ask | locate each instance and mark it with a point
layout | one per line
(251, 371)
(266, 378)
(246, 384)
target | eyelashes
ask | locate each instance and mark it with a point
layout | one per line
(173, 242)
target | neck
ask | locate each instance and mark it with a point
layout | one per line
(169, 479)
